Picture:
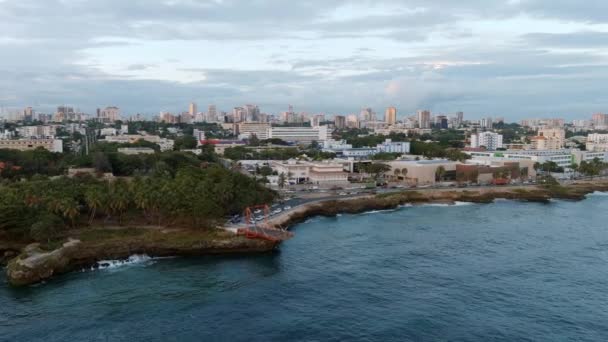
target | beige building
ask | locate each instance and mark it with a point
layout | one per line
(421, 172)
(135, 150)
(313, 172)
(549, 139)
(53, 145)
(597, 142)
(390, 117)
(245, 130)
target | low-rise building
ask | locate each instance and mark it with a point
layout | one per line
(597, 142)
(53, 145)
(563, 158)
(135, 150)
(423, 172)
(298, 171)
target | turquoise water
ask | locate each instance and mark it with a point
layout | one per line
(500, 272)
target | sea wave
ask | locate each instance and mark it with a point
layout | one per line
(378, 211)
(133, 260)
(598, 193)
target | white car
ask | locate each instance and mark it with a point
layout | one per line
(286, 207)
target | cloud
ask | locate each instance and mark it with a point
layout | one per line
(507, 57)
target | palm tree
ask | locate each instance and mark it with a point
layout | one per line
(524, 173)
(397, 172)
(574, 167)
(440, 173)
(93, 199)
(282, 180)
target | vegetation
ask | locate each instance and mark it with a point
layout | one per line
(165, 189)
(245, 153)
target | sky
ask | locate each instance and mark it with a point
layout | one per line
(509, 58)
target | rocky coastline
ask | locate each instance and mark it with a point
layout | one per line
(574, 192)
(33, 263)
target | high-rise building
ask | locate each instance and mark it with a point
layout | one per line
(192, 110)
(367, 114)
(459, 118)
(424, 119)
(486, 123)
(600, 121)
(352, 121)
(490, 140)
(441, 122)
(239, 114)
(252, 113)
(28, 114)
(316, 120)
(340, 121)
(212, 113)
(109, 114)
(390, 117)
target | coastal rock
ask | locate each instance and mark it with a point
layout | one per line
(34, 265)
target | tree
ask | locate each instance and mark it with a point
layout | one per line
(101, 162)
(282, 180)
(404, 172)
(185, 142)
(524, 172)
(46, 227)
(397, 172)
(376, 169)
(254, 141)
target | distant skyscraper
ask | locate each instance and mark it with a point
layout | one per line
(212, 113)
(486, 123)
(252, 113)
(600, 121)
(110, 114)
(340, 121)
(424, 119)
(459, 118)
(367, 115)
(192, 109)
(441, 121)
(390, 117)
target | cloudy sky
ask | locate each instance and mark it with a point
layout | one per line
(511, 58)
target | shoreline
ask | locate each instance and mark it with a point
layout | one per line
(33, 264)
(390, 201)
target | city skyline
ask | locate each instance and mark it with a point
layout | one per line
(515, 59)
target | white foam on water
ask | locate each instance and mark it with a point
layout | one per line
(598, 193)
(133, 260)
(445, 205)
(378, 211)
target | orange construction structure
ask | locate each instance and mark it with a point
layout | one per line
(261, 229)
